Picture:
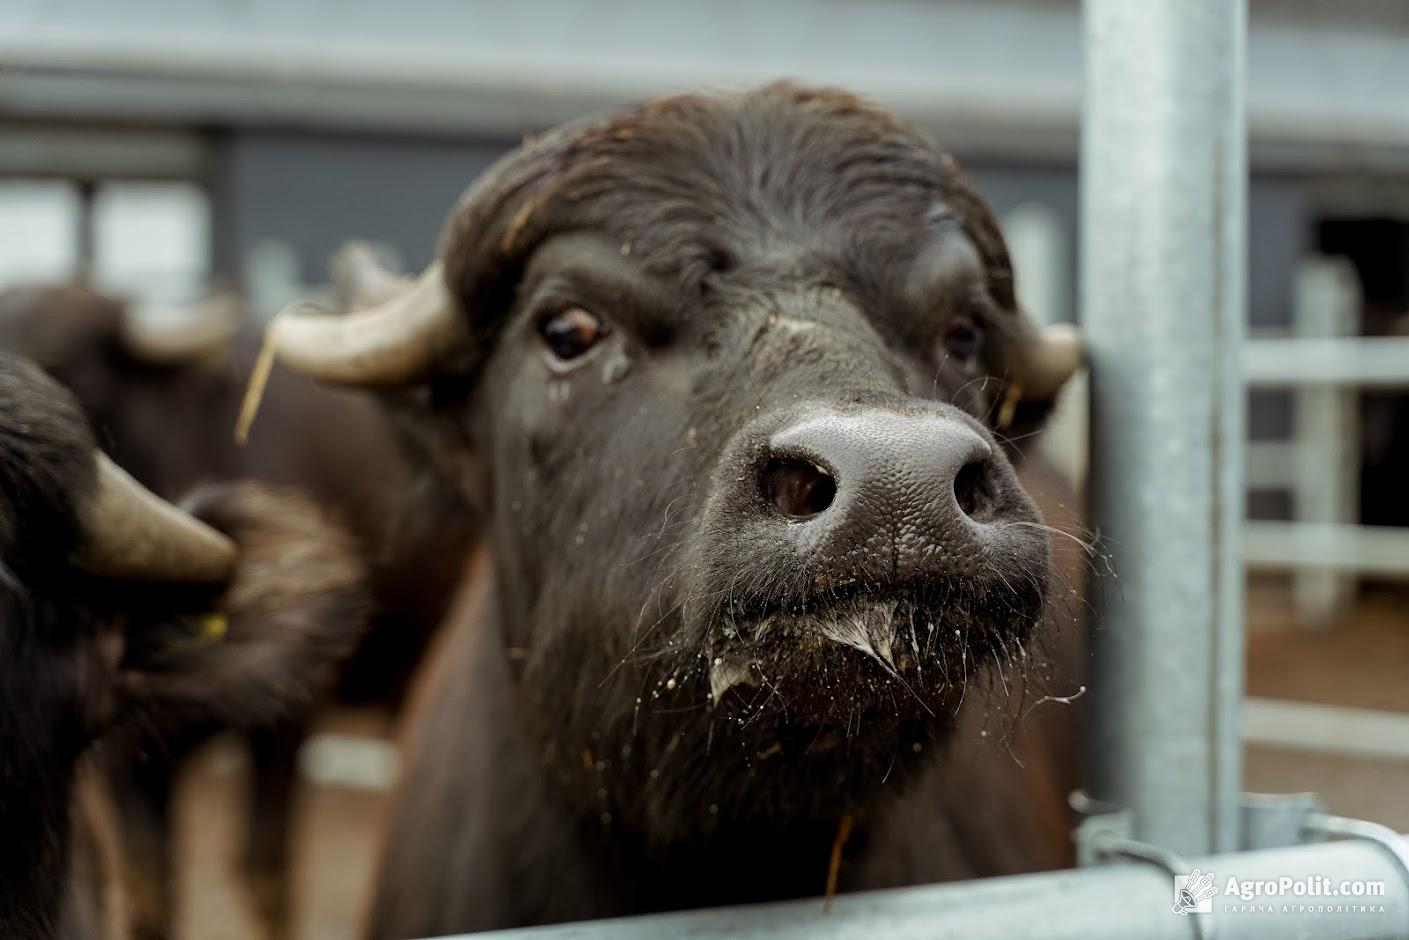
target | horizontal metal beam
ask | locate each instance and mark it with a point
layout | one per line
(1380, 361)
(987, 76)
(1377, 550)
(477, 67)
(64, 151)
(1326, 729)
(1116, 902)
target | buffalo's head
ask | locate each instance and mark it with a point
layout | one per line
(149, 379)
(728, 373)
(117, 607)
(120, 613)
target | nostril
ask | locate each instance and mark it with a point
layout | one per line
(971, 490)
(798, 488)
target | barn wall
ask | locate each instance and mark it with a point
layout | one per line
(312, 191)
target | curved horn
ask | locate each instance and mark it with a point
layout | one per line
(175, 335)
(130, 533)
(1053, 355)
(394, 343)
(361, 280)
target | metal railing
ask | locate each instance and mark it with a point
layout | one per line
(1361, 361)
(1123, 902)
(1324, 546)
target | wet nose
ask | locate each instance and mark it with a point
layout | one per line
(920, 491)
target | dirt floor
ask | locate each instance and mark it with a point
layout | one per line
(1362, 663)
(335, 848)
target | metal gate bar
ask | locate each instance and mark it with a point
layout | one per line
(1361, 361)
(1123, 902)
(1163, 193)
(1382, 551)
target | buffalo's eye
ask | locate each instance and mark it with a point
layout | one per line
(963, 338)
(571, 332)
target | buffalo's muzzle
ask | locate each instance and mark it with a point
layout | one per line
(852, 549)
(918, 492)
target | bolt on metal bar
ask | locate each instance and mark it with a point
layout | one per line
(1163, 221)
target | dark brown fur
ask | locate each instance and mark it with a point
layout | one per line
(170, 425)
(753, 255)
(85, 657)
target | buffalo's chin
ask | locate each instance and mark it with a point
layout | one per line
(863, 661)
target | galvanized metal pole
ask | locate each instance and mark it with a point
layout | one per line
(1163, 222)
(1117, 902)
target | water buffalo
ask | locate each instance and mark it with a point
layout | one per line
(739, 381)
(119, 612)
(162, 394)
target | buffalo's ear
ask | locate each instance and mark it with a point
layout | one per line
(269, 640)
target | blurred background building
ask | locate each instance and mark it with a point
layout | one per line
(157, 146)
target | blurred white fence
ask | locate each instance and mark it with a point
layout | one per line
(1323, 363)
(146, 240)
